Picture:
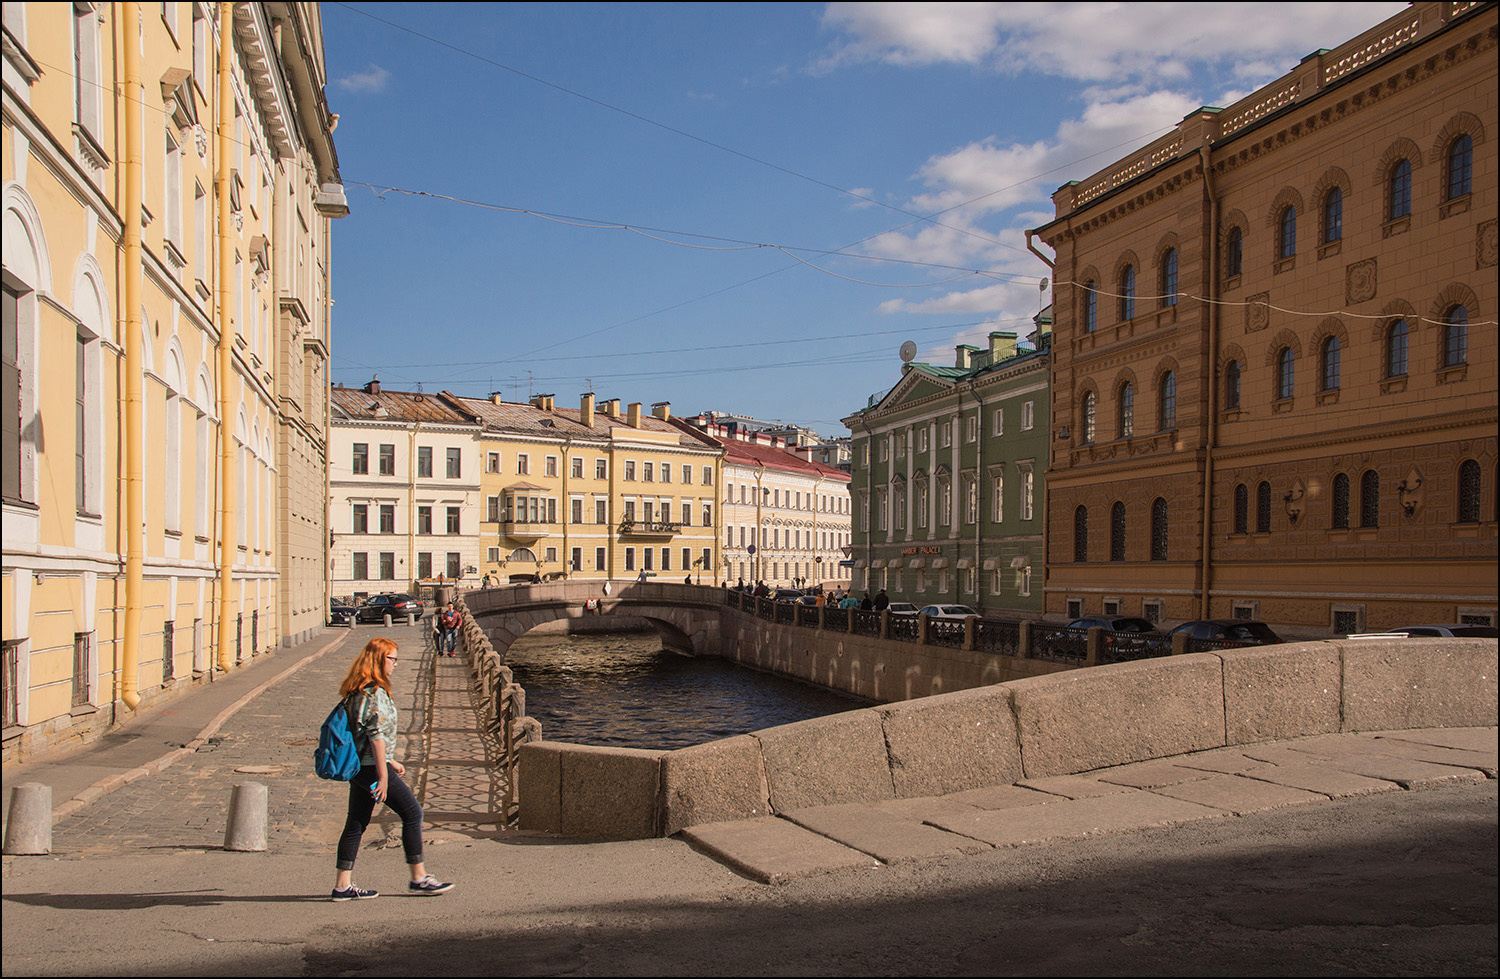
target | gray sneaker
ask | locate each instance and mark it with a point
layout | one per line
(429, 885)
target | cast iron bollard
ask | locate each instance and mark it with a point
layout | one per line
(28, 828)
(248, 817)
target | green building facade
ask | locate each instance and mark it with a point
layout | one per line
(947, 480)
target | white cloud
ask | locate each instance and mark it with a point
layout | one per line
(1096, 41)
(372, 79)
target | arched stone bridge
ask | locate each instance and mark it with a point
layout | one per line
(687, 616)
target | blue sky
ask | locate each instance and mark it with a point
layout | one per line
(740, 146)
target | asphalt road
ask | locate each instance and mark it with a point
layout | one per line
(1396, 883)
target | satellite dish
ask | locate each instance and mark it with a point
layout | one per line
(908, 352)
(1042, 286)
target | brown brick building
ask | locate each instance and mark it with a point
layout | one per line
(1274, 372)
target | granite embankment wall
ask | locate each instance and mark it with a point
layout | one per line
(882, 670)
(1062, 723)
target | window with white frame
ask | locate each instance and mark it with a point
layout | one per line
(997, 488)
(550, 466)
(523, 464)
(1028, 415)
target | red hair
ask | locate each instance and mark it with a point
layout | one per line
(369, 667)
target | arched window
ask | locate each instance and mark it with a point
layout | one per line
(1286, 233)
(1127, 410)
(1286, 373)
(1234, 253)
(1341, 502)
(1263, 508)
(1398, 197)
(1090, 306)
(1456, 336)
(1167, 408)
(1395, 349)
(1329, 362)
(1232, 385)
(1127, 293)
(1333, 216)
(1169, 278)
(1369, 499)
(1081, 534)
(1159, 529)
(1089, 408)
(1117, 532)
(1468, 491)
(1241, 509)
(1460, 166)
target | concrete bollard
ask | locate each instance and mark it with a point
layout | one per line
(28, 827)
(248, 818)
(387, 618)
(411, 618)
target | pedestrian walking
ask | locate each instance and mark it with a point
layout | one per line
(449, 620)
(368, 688)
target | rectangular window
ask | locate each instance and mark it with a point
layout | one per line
(523, 465)
(648, 559)
(630, 471)
(387, 565)
(599, 559)
(551, 555)
(629, 559)
(492, 555)
(666, 472)
(83, 670)
(708, 476)
(1028, 416)
(424, 462)
(999, 421)
(998, 488)
(455, 463)
(666, 559)
(687, 474)
(577, 468)
(707, 559)
(361, 566)
(577, 511)
(387, 518)
(971, 428)
(550, 468)
(601, 511)
(492, 462)
(387, 460)
(453, 522)
(424, 519)
(361, 522)
(576, 562)
(492, 509)
(455, 564)
(708, 514)
(687, 513)
(361, 458)
(646, 472)
(601, 469)
(424, 564)
(1026, 480)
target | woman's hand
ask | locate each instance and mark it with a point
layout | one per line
(400, 768)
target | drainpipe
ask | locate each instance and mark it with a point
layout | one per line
(568, 502)
(1204, 611)
(978, 492)
(134, 98)
(411, 502)
(227, 501)
(760, 534)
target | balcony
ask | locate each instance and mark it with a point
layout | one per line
(526, 531)
(649, 528)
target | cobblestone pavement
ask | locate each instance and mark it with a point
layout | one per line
(272, 740)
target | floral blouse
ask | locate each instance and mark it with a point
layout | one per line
(375, 718)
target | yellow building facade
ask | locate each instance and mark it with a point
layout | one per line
(169, 179)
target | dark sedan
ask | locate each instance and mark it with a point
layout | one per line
(1233, 632)
(340, 612)
(377, 607)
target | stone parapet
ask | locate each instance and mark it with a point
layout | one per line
(1039, 727)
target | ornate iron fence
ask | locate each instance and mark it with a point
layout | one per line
(945, 632)
(997, 636)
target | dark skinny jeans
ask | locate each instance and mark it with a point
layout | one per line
(362, 805)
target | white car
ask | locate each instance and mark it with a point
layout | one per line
(902, 608)
(948, 611)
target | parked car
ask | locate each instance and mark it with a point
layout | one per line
(1455, 631)
(1248, 632)
(786, 595)
(948, 611)
(1120, 640)
(377, 607)
(340, 612)
(902, 608)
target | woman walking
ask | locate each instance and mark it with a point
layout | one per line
(372, 714)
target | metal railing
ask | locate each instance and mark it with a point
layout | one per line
(501, 703)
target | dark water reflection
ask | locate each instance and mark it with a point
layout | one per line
(624, 690)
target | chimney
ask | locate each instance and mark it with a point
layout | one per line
(542, 402)
(962, 353)
(634, 418)
(1002, 347)
(586, 410)
(374, 386)
(496, 398)
(662, 410)
(612, 408)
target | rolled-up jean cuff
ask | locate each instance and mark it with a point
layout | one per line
(411, 859)
(344, 865)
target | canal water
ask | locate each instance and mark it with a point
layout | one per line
(624, 690)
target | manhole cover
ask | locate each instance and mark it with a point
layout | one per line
(258, 769)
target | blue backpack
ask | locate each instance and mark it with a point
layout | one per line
(337, 757)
